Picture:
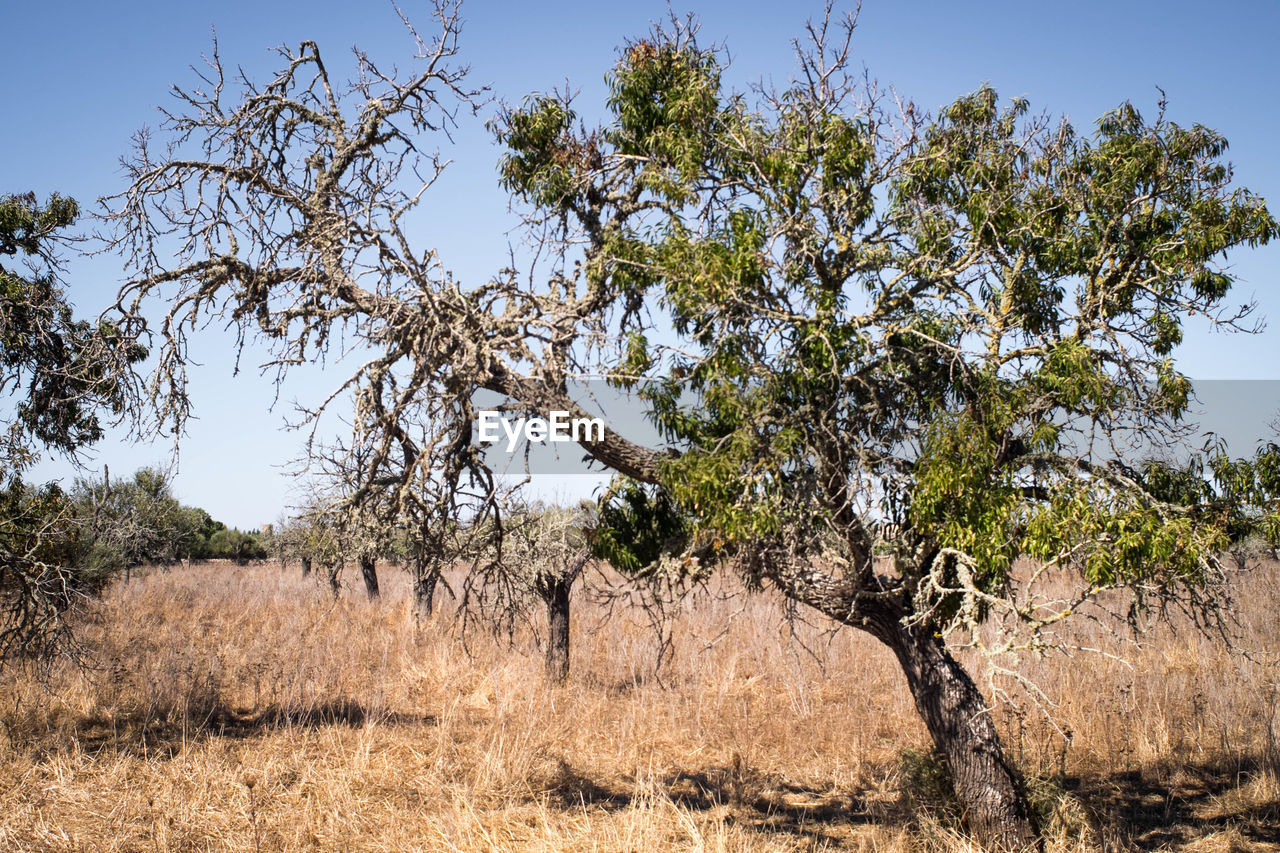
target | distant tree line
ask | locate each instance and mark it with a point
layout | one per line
(118, 525)
(103, 528)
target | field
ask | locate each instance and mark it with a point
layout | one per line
(243, 709)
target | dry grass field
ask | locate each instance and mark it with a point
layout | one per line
(243, 709)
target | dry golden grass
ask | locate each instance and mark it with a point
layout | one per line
(242, 709)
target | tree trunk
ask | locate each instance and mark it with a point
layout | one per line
(424, 588)
(954, 711)
(306, 566)
(369, 569)
(335, 570)
(956, 714)
(556, 596)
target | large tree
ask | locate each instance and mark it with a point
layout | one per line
(864, 329)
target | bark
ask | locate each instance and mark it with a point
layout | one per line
(956, 714)
(335, 571)
(997, 812)
(954, 711)
(369, 571)
(555, 593)
(306, 566)
(424, 588)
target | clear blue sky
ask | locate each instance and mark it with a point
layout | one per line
(78, 78)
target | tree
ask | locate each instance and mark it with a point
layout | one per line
(428, 548)
(364, 527)
(865, 329)
(127, 523)
(290, 543)
(538, 558)
(233, 544)
(317, 540)
(426, 562)
(62, 376)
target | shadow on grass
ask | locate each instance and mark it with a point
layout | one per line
(1166, 807)
(163, 734)
(570, 788)
(764, 803)
(1170, 804)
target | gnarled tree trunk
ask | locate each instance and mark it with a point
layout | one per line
(956, 714)
(996, 811)
(555, 593)
(369, 571)
(306, 566)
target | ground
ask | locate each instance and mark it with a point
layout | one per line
(243, 708)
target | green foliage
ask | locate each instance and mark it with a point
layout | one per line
(636, 525)
(964, 498)
(544, 164)
(232, 544)
(665, 98)
(62, 375)
(68, 370)
(112, 526)
(130, 522)
(26, 228)
(36, 584)
(1248, 493)
(1022, 287)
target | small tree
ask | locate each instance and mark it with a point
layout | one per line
(318, 541)
(126, 523)
(290, 543)
(427, 549)
(542, 554)
(363, 519)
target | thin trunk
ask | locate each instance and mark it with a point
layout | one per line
(424, 587)
(369, 570)
(959, 721)
(556, 595)
(306, 566)
(335, 570)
